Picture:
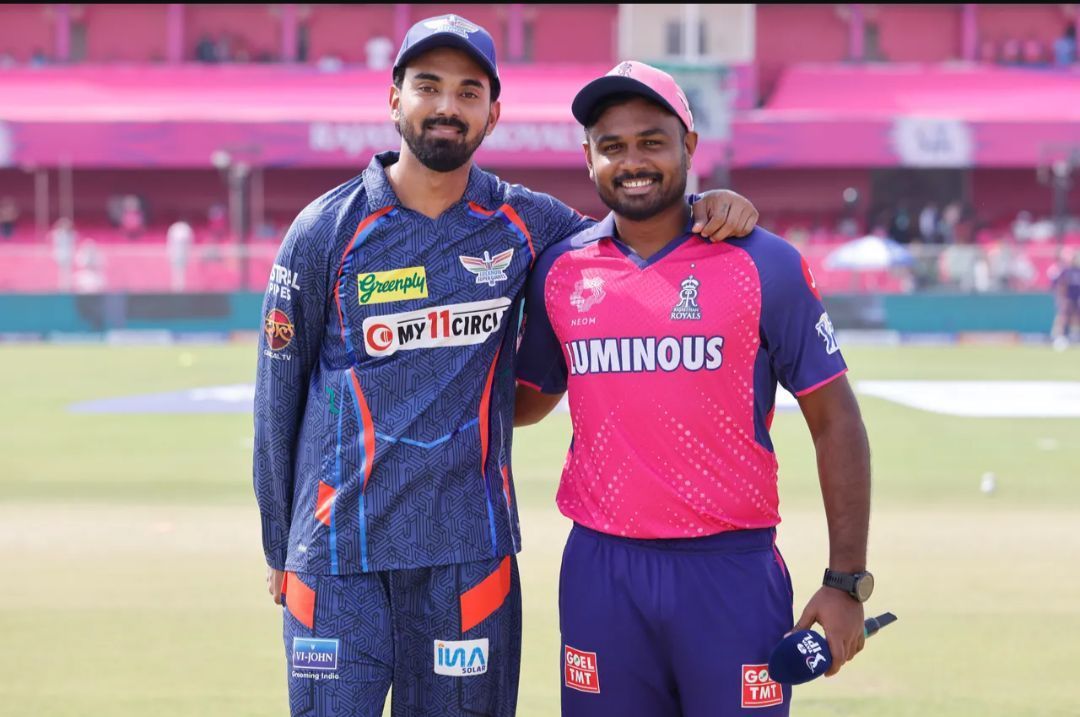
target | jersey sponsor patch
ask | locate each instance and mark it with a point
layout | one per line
(315, 654)
(461, 658)
(758, 689)
(588, 292)
(645, 354)
(489, 269)
(580, 670)
(279, 330)
(825, 331)
(283, 282)
(379, 287)
(453, 325)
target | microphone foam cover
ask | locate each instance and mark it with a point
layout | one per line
(800, 657)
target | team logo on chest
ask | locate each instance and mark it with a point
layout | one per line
(588, 292)
(687, 309)
(490, 269)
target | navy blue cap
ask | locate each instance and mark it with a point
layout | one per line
(452, 31)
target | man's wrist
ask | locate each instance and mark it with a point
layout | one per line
(858, 585)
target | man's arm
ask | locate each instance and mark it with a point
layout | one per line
(843, 459)
(531, 405)
(722, 213)
(293, 316)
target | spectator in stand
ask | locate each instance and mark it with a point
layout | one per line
(950, 217)
(1009, 267)
(1022, 226)
(928, 224)
(1032, 52)
(1010, 52)
(178, 241)
(900, 226)
(1065, 47)
(204, 50)
(9, 216)
(217, 223)
(89, 268)
(223, 48)
(63, 238)
(380, 53)
(132, 217)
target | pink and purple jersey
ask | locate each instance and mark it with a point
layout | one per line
(672, 365)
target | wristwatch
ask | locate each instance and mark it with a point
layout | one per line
(858, 585)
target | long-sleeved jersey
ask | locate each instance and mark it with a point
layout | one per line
(384, 395)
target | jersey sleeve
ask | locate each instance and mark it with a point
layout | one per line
(795, 327)
(540, 360)
(294, 312)
(560, 221)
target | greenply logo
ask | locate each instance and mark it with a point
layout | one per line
(380, 287)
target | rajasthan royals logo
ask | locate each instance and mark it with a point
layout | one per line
(825, 331)
(687, 309)
(490, 269)
(588, 292)
(625, 69)
(452, 23)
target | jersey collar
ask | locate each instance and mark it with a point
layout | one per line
(606, 228)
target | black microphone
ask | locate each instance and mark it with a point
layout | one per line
(804, 655)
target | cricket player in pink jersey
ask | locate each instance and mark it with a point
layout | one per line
(672, 592)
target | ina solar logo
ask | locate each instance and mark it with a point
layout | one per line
(462, 658)
(312, 654)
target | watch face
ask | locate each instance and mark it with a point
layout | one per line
(864, 586)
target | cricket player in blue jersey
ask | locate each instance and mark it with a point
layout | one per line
(384, 404)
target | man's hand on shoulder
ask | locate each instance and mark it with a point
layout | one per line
(722, 213)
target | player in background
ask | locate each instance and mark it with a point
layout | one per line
(384, 399)
(1065, 284)
(672, 592)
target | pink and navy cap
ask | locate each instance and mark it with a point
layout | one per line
(451, 31)
(639, 79)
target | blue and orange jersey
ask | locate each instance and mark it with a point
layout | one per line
(384, 394)
(672, 365)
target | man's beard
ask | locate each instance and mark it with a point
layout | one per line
(641, 208)
(440, 154)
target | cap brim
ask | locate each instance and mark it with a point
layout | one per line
(449, 39)
(594, 92)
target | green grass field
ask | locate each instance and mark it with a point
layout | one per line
(133, 576)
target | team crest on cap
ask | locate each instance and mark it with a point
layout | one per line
(624, 69)
(490, 269)
(687, 309)
(452, 23)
